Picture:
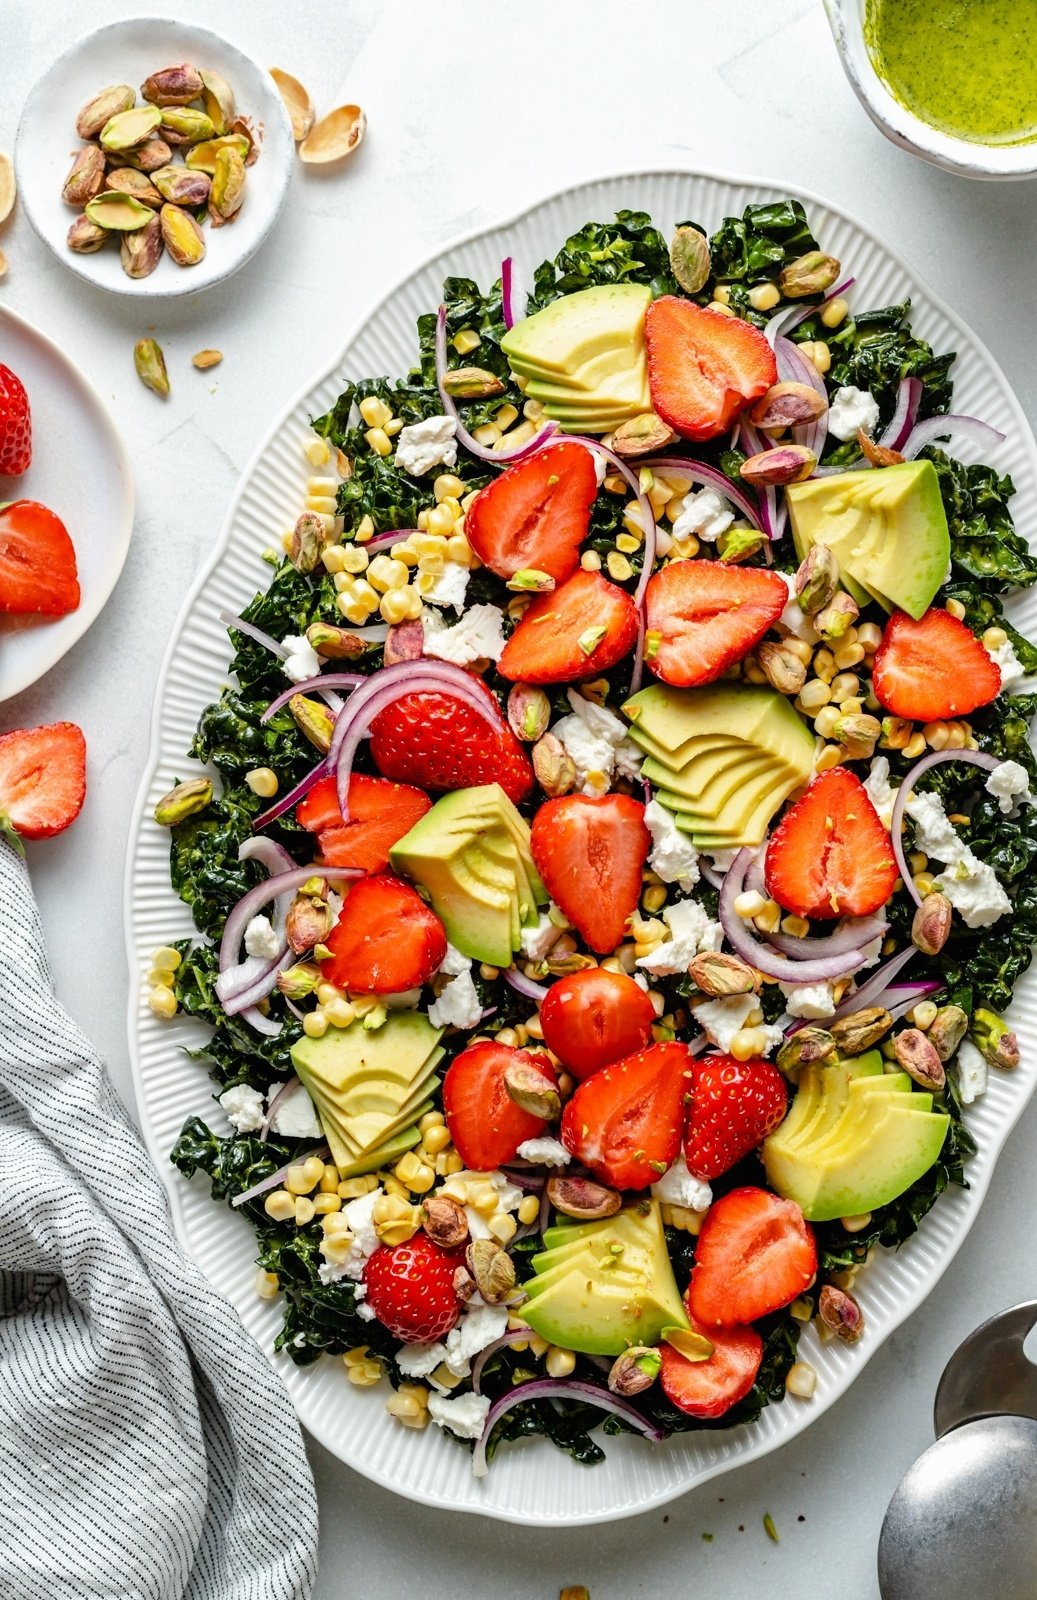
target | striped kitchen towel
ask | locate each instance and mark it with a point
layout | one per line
(147, 1449)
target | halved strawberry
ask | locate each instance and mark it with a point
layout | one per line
(734, 1106)
(755, 1254)
(485, 1124)
(704, 367)
(410, 1289)
(625, 1121)
(42, 779)
(590, 853)
(709, 1388)
(703, 616)
(933, 668)
(578, 630)
(385, 940)
(15, 425)
(436, 742)
(37, 562)
(830, 856)
(380, 813)
(536, 514)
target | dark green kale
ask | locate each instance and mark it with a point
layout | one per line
(631, 247)
(236, 1053)
(873, 351)
(203, 859)
(987, 554)
(754, 247)
(287, 608)
(984, 611)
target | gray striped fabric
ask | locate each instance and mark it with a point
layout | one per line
(147, 1450)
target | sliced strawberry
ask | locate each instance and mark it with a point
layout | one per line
(933, 668)
(830, 855)
(592, 1017)
(578, 630)
(42, 779)
(590, 854)
(707, 1389)
(755, 1254)
(485, 1124)
(386, 939)
(704, 367)
(380, 813)
(625, 1122)
(434, 741)
(37, 562)
(734, 1106)
(536, 514)
(410, 1289)
(15, 425)
(703, 616)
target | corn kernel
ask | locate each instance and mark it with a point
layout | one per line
(654, 899)
(323, 505)
(800, 649)
(826, 719)
(317, 452)
(391, 429)
(506, 415)
(835, 312)
(262, 781)
(379, 441)
(384, 573)
(483, 1198)
(353, 1188)
(915, 747)
(374, 411)
(529, 1209)
(267, 1284)
(764, 297)
(362, 1369)
(304, 1211)
(315, 1024)
(818, 354)
(280, 1205)
(831, 756)
(814, 694)
(560, 1363)
(769, 919)
(719, 307)
(166, 958)
(364, 530)
(487, 435)
(619, 567)
(801, 1380)
(796, 927)
(844, 685)
(590, 561)
(466, 341)
(304, 1176)
(956, 609)
(162, 1001)
(538, 1347)
(749, 904)
(393, 606)
(503, 1226)
(802, 1309)
(849, 655)
(748, 1042)
(436, 1139)
(924, 1014)
(339, 1013)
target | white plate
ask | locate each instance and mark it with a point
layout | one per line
(129, 52)
(531, 1482)
(79, 469)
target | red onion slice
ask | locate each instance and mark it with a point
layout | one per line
(277, 1177)
(282, 1094)
(393, 536)
(273, 856)
(524, 986)
(325, 682)
(909, 396)
(793, 367)
(241, 626)
(933, 429)
(870, 993)
(845, 938)
(975, 758)
(512, 1336)
(559, 1389)
(713, 478)
(293, 796)
(783, 322)
(760, 955)
(464, 438)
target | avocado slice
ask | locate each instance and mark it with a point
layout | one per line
(728, 800)
(820, 1084)
(712, 777)
(587, 379)
(576, 328)
(755, 714)
(385, 1156)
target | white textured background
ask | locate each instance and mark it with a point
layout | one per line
(476, 110)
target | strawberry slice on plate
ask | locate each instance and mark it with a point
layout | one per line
(385, 940)
(590, 854)
(578, 630)
(755, 1254)
(708, 1388)
(435, 742)
(593, 1017)
(15, 425)
(703, 616)
(536, 514)
(830, 855)
(42, 780)
(485, 1124)
(703, 367)
(37, 562)
(734, 1106)
(625, 1121)
(380, 813)
(410, 1288)
(933, 668)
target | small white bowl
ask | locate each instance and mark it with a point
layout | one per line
(129, 52)
(972, 160)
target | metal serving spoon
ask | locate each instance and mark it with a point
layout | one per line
(963, 1520)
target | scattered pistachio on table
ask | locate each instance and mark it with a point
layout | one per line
(151, 366)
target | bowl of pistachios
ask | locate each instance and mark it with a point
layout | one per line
(154, 157)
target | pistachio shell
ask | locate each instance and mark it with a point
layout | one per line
(173, 86)
(93, 116)
(334, 137)
(217, 100)
(85, 178)
(84, 236)
(194, 795)
(689, 259)
(182, 236)
(141, 250)
(202, 157)
(127, 180)
(183, 125)
(203, 359)
(127, 129)
(297, 99)
(7, 187)
(119, 212)
(228, 186)
(150, 155)
(181, 186)
(242, 126)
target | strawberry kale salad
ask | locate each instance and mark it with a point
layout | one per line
(615, 859)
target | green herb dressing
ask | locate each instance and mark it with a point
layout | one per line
(967, 67)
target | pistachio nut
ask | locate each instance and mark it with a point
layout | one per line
(781, 667)
(335, 136)
(405, 641)
(492, 1268)
(444, 1220)
(931, 925)
(919, 1058)
(228, 187)
(817, 579)
(308, 923)
(859, 1030)
(565, 962)
(141, 251)
(785, 463)
(309, 537)
(186, 800)
(858, 734)
(297, 982)
(718, 974)
(529, 712)
(128, 129)
(583, 1198)
(837, 616)
(149, 156)
(553, 765)
(635, 1370)
(102, 108)
(241, 128)
(127, 180)
(692, 1346)
(119, 213)
(530, 580)
(803, 1047)
(84, 236)
(642, 435)
(204, 359)
(472, 383)
(8, 187)
(86, 176)
(810, 274)
(202, 157)
(532, 1090)
(739, 543)
(313, 720)
(786, 405)
(217, 100)
(297, 101)
(995, 1040)
(182, 236)
(840, 1312)
(575, 1591)
(173, 86)
(180, 186)
(947, 1030)
(151, 366)
(877, 454)
(184, 125)
(335, 644)
(464, 1284)
(689, 258)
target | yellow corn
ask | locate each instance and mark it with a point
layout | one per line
(379, 441)
(764, 297)
(267, 1284)
(374, 411)
(362, 1369)
(162, 1001)
(466, 341)
(166, 959)
(529, 1209)
(560, 1363)
(280, 1205)
(835, 312)
(801, 1380)
(317, 452)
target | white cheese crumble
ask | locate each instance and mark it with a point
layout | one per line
(811, 1000)
(535, 943)
(359, 1215)
(545, 1152)
(424, 445)
(721, 1019)
(458, 1003)
(880, 792)
(722, 860)
(851, 408)
(479, 635)
(673, 855)
(794, 619)
(1011, 668)
(464, 1415)
(454, 963)
(677, 1187)
(450, 587)
(402, 1000)
(296, 1115)
(597, 742)
(261, 941)
(1009, 782)
(691, 930)
(705, 513)
(970, 885)
(972, 1072)
(478, 1326)
(244, 1108)
(301, 659)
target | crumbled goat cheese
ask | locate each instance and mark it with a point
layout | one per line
(850, 409)
(458, 1003)
(691, 930)
(479, 1326)
(464, 1415)
(794, 618)
(454, 963)
(597, 742)
(244, 1108)
(260, 939)
(972, 1072)
(721, 1019)
(450, 586)
(419, 1360)
(1008, 782)
(301, 660)
(880, 792)
(545, 1152)
(296, 1115)
(722, 860)
(359, 1215)
(970, 885)
(673, 856)
(478, 635)
(424, 445)
(1011, 668)
(811, 1000)
(402, 1000)
(536, 942)
(704, 513)
(677, 1187)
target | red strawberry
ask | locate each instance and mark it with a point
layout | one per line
(709, 1388)
(830, 856)
(37, 561)
(42, 779)
(436, 742)
(933, 668)
(734, 1106)
(386, 939)
(625, 1121)
(703, 616)
(410, 1289)
(536, 514)
(755, 1254)
(590, 854)
(15, 425)
(380, 813)
(592, 1017)
(485, 1124)
(704, 367)
(578, 630)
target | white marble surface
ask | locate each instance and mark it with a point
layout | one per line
(476, 110)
